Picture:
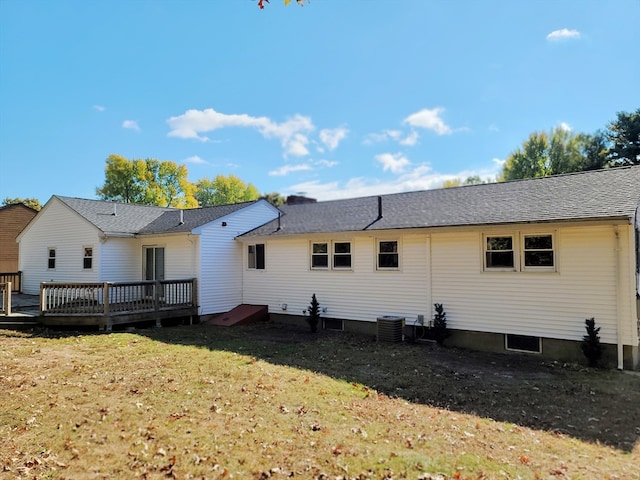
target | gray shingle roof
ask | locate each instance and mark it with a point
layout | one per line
(145, 219)
(612, 193)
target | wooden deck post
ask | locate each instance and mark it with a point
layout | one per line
(106, 317)
(156, 302)
(7, 298)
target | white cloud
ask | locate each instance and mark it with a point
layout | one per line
(499, 162)
(565, 126)
(195, 159)
(327, 163)
(291, 133)
(131, 125)
(420, 177)
(99, 108)
(563, 34)
(430, 120)
(287, 169)
(394, 162)
(332, 137)
(411, 139)
(383, 136)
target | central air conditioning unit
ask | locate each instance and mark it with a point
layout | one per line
(390, 329)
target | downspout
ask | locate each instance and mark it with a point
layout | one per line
(619, 306)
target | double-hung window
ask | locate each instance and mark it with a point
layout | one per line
(388, 255)
(320, 255)
(538, 251)
(87, 260)
(519, 251)
(255, 256)
(331, 255)
(341, 255)
(499, 252)
(51, 260)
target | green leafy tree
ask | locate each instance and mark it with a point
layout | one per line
(224, 190)
(274, 198)
(147, 182)
(624, 136)
(29, 202)
(558, 151)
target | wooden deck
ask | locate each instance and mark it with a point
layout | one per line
(102, 304)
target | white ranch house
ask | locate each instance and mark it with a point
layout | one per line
(517, 265)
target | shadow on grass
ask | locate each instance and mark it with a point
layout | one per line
(592, 405)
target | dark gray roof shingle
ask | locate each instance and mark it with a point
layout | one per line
(612, 193)
(130, 219)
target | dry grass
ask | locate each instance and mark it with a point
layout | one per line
(274, 402)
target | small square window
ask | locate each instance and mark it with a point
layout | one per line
(388, 256)
(499, 252)
(51, 264)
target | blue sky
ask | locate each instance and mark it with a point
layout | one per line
(339, 98)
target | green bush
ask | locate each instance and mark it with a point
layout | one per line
(439, 331)
(591, 346)
(314, 314)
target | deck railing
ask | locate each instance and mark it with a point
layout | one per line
(15, 278)
(109, 300)
(5, 298)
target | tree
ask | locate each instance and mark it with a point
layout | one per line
(274, 198)
(29, 202)
(147, 182)
(624, 135)
(553, 153)
(224, 190)
(456, 182)
(286, 2)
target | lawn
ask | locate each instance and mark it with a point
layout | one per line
(273, 401)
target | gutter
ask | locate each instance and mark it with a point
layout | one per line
(619, 306)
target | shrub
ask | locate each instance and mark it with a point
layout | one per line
(314, 314)
(439, 330)
(591, 346)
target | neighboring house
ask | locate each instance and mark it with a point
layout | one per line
(517, 265)
(78, 240)
(13, 218)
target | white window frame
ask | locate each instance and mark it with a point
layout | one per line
(51, 257)
(87, 257)
(485, 251)
(326, 254)
(536, 268)
(330, 255)
(255, 264)
(379, 241)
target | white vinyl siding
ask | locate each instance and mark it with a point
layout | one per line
(552, 305)
(221, 258)
(362, 293)
(59, 227)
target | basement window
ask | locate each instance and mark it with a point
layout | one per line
(256, 256)
(523, 343)
(333, 324)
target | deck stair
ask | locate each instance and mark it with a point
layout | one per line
(242, 315)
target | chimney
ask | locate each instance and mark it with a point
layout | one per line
(379, 207)
(299, 200)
